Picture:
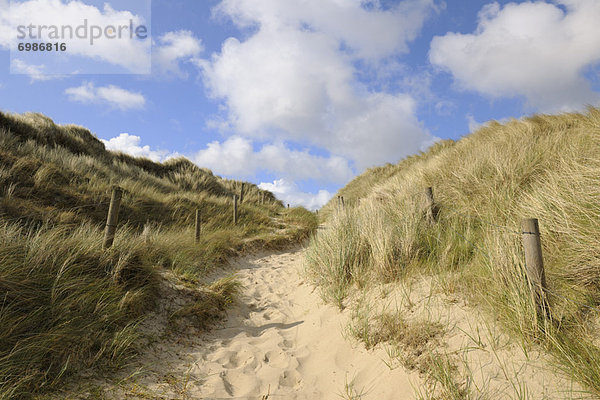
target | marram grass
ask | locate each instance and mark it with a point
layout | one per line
(67, 304)
(545, 167)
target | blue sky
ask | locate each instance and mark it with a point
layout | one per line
(300, 96)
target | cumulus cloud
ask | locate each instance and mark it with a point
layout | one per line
(290, 193)
(535, 50)
(237, 157)
(131, 145)
(382, 31)
(172, 48)
(295, 78)
(129, 53)
(111, 95)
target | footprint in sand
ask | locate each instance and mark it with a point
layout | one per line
(283, 341)
(290, 379)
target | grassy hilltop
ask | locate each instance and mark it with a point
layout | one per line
(65, 302)
(545, 167)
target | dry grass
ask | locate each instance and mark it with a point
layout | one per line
(209, 305)
(66, 303)
(543, 167)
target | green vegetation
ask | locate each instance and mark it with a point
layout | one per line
(66, 303)
(544, 167)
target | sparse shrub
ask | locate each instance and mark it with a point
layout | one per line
(209, 306)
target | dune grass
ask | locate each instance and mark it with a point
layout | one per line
(67, 304)
(544, 167)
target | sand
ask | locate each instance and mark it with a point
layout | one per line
(281, 336)
(279, 341)
(489, 363)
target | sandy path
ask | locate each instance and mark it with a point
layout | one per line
(279, 340)
(282, 340)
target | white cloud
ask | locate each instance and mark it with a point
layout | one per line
(129, 53)
(130, 144)
(382, 31)
(172, 49)
(35, 72)
(473, 124)
(533, 49)
(236, 157)
(289, 193)
(381, 128)
(111, 95)
(121, 98)
(294, 79)
(85, 93)
(444, 107)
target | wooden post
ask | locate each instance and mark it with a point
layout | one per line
(432, 209)
(197, 230)
(113, 217)
(242, 194)
(235, 209)
(534, 263)
(146, 232)
(342, 202)
(262, 200)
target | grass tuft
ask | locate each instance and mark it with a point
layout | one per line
(545, 167)
(67, 304)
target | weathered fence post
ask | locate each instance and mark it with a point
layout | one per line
(262, 200)
(198, 226)
(146, 232)
(235, 209)
(534, 263)
(113, 217)
(432, 208)
(242, 194)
